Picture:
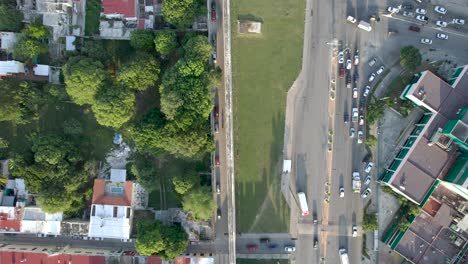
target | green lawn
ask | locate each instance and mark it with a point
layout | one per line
(93, 14)
(262, 261)
(264, 68)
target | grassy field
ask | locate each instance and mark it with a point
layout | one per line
(264, 68)
(262, 261)
(93, 13)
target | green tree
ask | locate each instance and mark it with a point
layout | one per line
(36, 31)
(186, 181)
(142, 40)
(198, 49)
(375, 111)
(27, 48)
(154, 238)
(19, 101)
(371, 140)
(83, 78)
(403, 224)
(180, 13)
(72, 127)
(139, 73)
(369, 222)
(114, 106)
(95, 49)
(165, 42)
(199, 203)
(410, 58)
(10, 18)
(145, 172)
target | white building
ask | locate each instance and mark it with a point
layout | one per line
(36, 221)
(8, 40)
(8, 68)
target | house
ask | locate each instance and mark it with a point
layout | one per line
(111, 209)
(8, 68)
(8, 40)
(35, 221)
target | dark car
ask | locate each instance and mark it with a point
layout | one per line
(264, 240)
(414, 28)
(346, 117)
(213, 11)
(252, 247)
(216, 162)
(216, 111)
(218, 213)
(273, 246)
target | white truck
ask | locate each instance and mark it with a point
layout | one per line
(355, 115)
(303, 203)
(356, 182)
(343, 256)
(364, 26)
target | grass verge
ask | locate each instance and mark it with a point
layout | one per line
(264, 68)
(93, 15)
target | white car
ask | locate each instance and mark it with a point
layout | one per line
(366, 193)
(351, 19)
(340, 57)
(351, 132)
(218, 190)
(440, 9)
(441, 36)
(371, 77)
(341, 192)
(421, 18)
(459, 21)
(380, 70)
(421, 11)
(356, 59)
(426, 41)
(367, 180)
(354, 231)
(348, 64)
(355, 93)
(392, 9)
(366, 91)
(369, 167)
(372, 62)
(361, 120)
(289, 248)
(441, 23)
(360, 136)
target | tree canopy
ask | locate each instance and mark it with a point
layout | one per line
(181, 13)
(197, 48)
(114, 106)
(369, 222)
(54, 169)
(410, 58)
(139, 73)
(142, 40)
(186, 181)
(145, 172)
(19, 102)
(165, 42)
(31, 42)
(154, 238)
(199, 203)
(10, 18)
(83, 78)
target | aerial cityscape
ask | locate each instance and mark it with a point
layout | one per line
(233, 131)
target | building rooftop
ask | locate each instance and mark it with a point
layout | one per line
(8, 40)
(11, 67)
(119, 7)
(110, 221)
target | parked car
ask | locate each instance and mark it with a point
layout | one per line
(459, 21)
(356, 59)
(408, 14)
(218, 213)
(441, 23)
(372, 62)
(340, 57)
(392, 9)
(216, 111)
(341, 192)
(213, 11)
(414, 28)
(366, 193)
(360, 136)
(218, 190)
(366, 91)
(440, 9)
(355, 92)
(441, 36)
(369, 167)
(252, 247)
(315, 243)
(422, 18)
(421, 11)
(371, 77)
(426, 41)
(273, 246)
(214, 56)
(264, 240)
(348, 64)
(380, 70)
(367, 180)
(351, 132)
(216, 127)
(346, 117)
(361, 120)
(354, 231)
(289, 248)
(341, 71)
(351, 19)
(216, 161)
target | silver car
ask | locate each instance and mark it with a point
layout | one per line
(366, 193)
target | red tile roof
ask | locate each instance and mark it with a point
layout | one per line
(124, 7)
(141, 24)
(182, 261)
(43, 258)
(9, 224)
(79, 259)
(153, 260)
(99, 196)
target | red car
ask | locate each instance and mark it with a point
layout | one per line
(414, 28)
(252, 247)
(341, 71)
(216, 162)
(216, 111)
(213, 11)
